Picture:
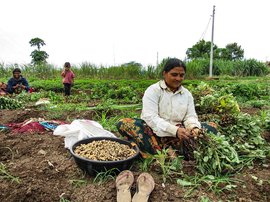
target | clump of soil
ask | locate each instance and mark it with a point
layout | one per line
(266, 136)
(20, 115)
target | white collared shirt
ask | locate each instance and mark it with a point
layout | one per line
(163, 109)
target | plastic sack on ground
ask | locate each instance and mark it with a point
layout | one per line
(42, 101)
(81, 129)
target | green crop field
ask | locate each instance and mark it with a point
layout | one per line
(224, 163)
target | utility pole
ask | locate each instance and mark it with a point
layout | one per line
(212, 44)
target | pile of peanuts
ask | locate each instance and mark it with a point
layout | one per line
(104, 150)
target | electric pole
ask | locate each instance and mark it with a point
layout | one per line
(212, 44)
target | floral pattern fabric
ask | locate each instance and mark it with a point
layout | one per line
(138, 132)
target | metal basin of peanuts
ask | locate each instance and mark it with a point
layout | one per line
(101, 154)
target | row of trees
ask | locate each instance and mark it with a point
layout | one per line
(201, 50)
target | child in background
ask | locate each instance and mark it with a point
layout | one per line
(68, 78)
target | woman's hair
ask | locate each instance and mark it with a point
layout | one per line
(172, 63)
(16, 70)
(67, 64)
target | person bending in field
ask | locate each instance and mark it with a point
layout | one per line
(17, 83)
(68, 78)
(168, 118)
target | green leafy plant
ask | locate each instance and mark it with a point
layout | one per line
(145, 163)
(201, 90)
(265, 119)
(245, 136)
(218, 104)
(214, 155)
(257, 103)
(169, 165)
(237, 145)
(9, 103)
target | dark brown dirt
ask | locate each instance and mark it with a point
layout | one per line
(251, 111)
(266, 135)
(45, 169)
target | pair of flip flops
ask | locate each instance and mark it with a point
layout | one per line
(124, 181)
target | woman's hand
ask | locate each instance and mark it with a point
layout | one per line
(183, 133)
(195, 132)
(17, 86)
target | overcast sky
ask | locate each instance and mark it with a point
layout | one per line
(118, 31)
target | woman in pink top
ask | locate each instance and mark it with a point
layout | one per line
(68, 78)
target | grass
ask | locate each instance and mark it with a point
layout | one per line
(210, 183)
(63, 199)
(77, 183)
(106, 122)
(4, 174)
(204, 199)
(103, 177)
(196, 68)
(144, 164)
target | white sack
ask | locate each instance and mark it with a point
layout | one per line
(81, 129)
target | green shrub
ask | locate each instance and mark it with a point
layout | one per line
(249, 67)
(9, 103)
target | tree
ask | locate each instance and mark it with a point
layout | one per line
(38, 56)
(201, 49)
(37, 42)
(232, 51)
(132, 63)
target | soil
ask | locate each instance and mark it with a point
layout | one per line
(251, 111)
(46, 170)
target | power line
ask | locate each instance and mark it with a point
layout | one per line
(212, 43)
(203, 34)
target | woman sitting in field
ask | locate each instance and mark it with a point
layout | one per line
(168, 118)
(17, 83)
